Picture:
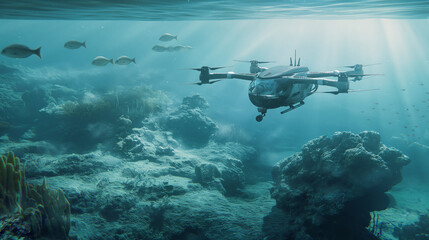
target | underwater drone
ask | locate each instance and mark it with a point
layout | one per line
(284, 86)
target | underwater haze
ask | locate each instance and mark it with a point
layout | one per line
(137, 150)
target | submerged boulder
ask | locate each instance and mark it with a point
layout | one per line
(190, 124)
(223, 168)
(195, 101)
(147, 143)
(328, 190)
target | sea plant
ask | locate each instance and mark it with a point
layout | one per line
(137, 103)
(46, 211)
(11, 182)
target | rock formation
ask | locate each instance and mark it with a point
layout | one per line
(328, 190)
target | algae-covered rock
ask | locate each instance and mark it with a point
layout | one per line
(195, 101)
(190, 124)
(328, 190)
(147, 143)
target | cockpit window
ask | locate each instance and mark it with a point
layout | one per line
(260, 88)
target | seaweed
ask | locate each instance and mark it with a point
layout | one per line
(27, 210)
(137, 103)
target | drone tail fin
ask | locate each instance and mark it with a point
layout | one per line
(291, 64)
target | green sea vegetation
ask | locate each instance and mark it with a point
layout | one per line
(137, 103)
(28, 211)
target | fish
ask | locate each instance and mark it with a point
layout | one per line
(124, 60)
(20, 51)
(74, 44)
(166, 37)
(101, 61)
(182, 48)
(159, 48)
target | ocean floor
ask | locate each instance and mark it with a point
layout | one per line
(115, 198)
(411, 200)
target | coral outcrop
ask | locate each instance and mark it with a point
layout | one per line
(223, 172)
(190, 124)
(195, 101)
(147, 143)
(28, 211)
(328, 190)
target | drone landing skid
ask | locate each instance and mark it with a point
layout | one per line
(292, 107)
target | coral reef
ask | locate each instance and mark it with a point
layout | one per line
(29, 211)
(224, 173)
(98, 118)
(136, 103)
(147, 142)
(190, 124)
(150, 195)
(328, 190)
(195, 101)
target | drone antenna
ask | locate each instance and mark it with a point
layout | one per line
(299, 61)
(295, 57)
(291, 62)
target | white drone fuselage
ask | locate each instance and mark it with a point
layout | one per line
(271, 89)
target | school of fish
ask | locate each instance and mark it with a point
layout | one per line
(22, 51)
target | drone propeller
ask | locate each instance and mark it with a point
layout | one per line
(200, 83)
(360, 90)
(362, 75)
(366, 65)
(205, 67)
(255, 61)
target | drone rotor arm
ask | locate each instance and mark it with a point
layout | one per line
(362, 75)
(230, 75)
(341, 85)
(318, 81)
(323, 74)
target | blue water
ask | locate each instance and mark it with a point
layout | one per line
(327, 35)
(400, 46)
(211, 10)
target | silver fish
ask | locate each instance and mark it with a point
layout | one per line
(74, 44)
(178, 48)
(159, 48)
(20, 51)
(101, 61)
(124, 60)
(166, 37)
(182, 48)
